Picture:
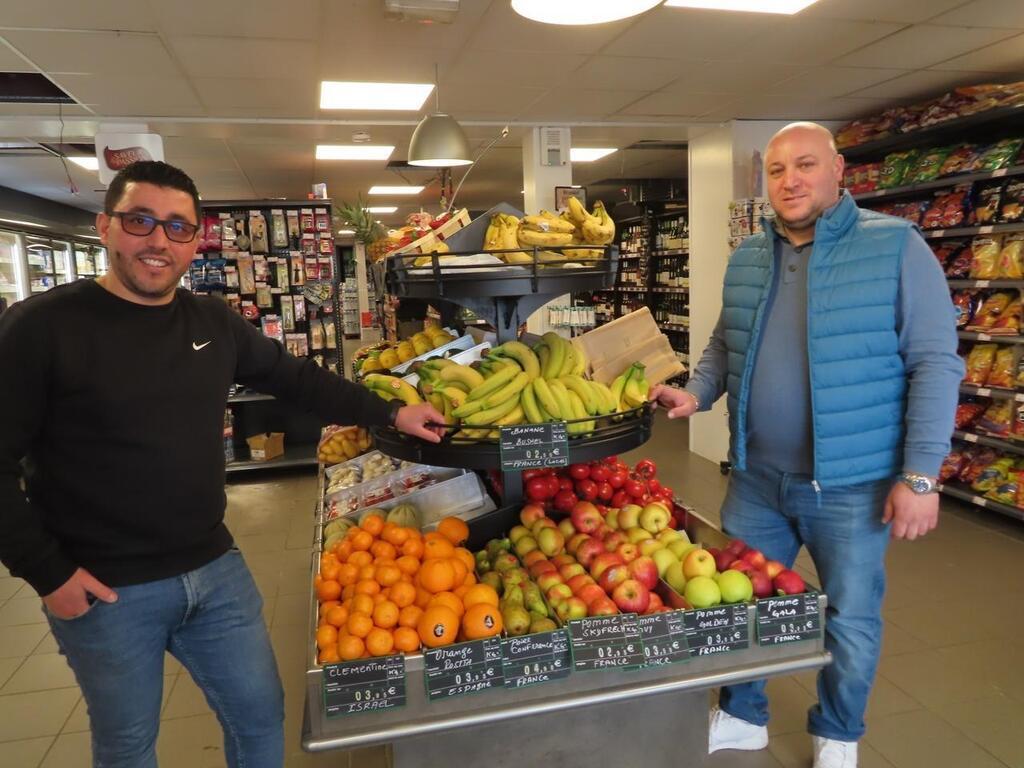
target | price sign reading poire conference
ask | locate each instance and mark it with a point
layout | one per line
(364, 686)
(456, 670)
(717, 630)
(664, 636)
(538, 658)
(531, 446)
(606, 642)
(788, 619)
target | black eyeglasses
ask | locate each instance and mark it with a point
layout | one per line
(141, 225)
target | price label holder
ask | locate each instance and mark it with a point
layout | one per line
(717, 630)
(788, 619)
(532, 446)
(664, 636)
(538, 658)
(456, 670)
(364, 686)
(606, 642)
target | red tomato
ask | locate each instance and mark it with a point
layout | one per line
(646, 468)
(538, 489)
(600, 473)
(554, 485)
(586, 489)
(634, 488)
(605, 491)
(618, 478)
(610, 460)
(621, 499)
(565, 484)
(529, 474)
(579, 471)
(565, 501)
(654, 485)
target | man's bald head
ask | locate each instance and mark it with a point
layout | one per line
(805, 129)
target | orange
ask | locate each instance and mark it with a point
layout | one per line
(460, 592)
(413, 547)
(359, 624)
(453, 529)
(395, 535)
(383, 551)
(328, 656)
(343, 549)
(406, 639)
(460, 570)
(408, 564)
(337, 616)
(329, 570)
(347, 574)
(317, 579)
(436, 575)
(403, 594)
(438, 626)
(449, 599)
(385, 615)
(351, 647)
(326, 606)
(372, 524)
(362, 541)
(480, 594)
(470, 579)
(481, 620)
(379, 598)
(362, 604)
(366, 572)
(437, 547)
(348, 592)
(367, 587)
(387, 575)
(359, 559)
(328, 590)
(409, 616)
(380, 642)
(326, 636)
(466, 557)
(422, 597)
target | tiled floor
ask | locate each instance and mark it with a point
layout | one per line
(950, 691)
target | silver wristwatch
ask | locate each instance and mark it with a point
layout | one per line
(919, 484)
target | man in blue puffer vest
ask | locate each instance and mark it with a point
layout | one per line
(837, 350)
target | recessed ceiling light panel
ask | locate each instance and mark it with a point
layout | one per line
(353, 152)
(581, 12)
(589, 154)
(398, 97)
(382, 209)
(407, 189)
(788, 7)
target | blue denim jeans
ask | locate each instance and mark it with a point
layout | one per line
(210, 620)
(843, 532)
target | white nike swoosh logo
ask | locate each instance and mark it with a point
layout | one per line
(197, 347)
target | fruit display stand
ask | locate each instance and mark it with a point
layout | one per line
(596, 717)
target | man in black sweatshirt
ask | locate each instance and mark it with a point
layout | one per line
(116, 390)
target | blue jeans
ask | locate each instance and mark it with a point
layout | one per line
(843, 532)
(210, 620)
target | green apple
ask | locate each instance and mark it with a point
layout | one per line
(636, 535)
(674, 576)
(669, 535)
(735, 586)
(517, 532)
(650, 546)
(663, 558)
(611, 519)
(699, 562)
(629, 516)
(702, 592)
(654, 517)
(681, 548)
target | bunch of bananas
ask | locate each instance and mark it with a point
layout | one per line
(589, 229)
(545, 230)
(392, 387)
(501, 235)
(389, 355)
(630, 388)
(340, 444)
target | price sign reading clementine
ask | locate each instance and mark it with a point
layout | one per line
(531, 446)
(364, 686)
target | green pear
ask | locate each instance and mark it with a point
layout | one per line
(493, 580)
(516, 619)
(542, 625)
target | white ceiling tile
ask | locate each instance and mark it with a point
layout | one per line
(827, 82)
(295, 19)
(210, 151)
(920, 85)
(907, 11)
(226, 95)
(566, 105)
(346, 22)
(138, 94)
(985, 13)
(100, 53)
(693, 35)
(502, 29)
(678, 104)
(629, 72)
(124, 15)
(795, 107)
(505, 102)
(362, 62)
(478, 67)
(796, 40)
(1005, 56)
(922, 46)
(236, 57)
(732, 77)
(12, 62)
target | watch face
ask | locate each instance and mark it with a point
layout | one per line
(920, 485)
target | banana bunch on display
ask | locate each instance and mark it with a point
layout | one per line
(389, 354)
(630, 388)
(589, 229)
(392, 387)
(425, 261)
(546, 230)
(340, 444)
(501, 235)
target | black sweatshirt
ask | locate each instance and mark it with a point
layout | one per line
(118, 410)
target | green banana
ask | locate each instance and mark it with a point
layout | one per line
(561, 395)
(468, 408)
(393, 386)
(543, 356)
(583, 391)
(522, 354)
(491, 415)
(618, 385)
(635, 392)
(436, 400)
(461, 373)
(546, 399)
(495, 382)
(510, 390)
(556, 345)
(437, 363)
(528, 399)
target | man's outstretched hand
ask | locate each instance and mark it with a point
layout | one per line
(421, 421)
(679, 402)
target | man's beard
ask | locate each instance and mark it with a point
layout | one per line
(121, 264)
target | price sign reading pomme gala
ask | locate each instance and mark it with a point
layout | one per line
(788, 619)
(364, 686)
(532, 446)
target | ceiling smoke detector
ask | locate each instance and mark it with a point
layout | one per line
(423, 11)
(361, 137)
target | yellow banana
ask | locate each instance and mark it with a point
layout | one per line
(492, 414)
(599, 229)
(522, 354)
(583, 391)
(546, 399)
(529, 237)
(393, 386)
(556, 358)
(577, 212)
(492, 239)
(543, 356)
(635, 392)
(509, 391)
(578, 412)
(454, 395)
(547, 222)
(461, 373)
(581, 358)
(510, 239)
(495, 382)
(516, 416)
(618, 385)
(468, 408)
(570, 359)
(561, 395)
(608, 402)
(446, 409)
(528, 400)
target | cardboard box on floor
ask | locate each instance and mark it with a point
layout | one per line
(615, 346)
(266, 447)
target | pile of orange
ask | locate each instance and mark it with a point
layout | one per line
(390, 589)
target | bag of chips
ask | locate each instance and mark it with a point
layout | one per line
(1020, 372)
(989, 312)
(987, 200)
(1018, 424)
(976, 459)
(944, 250)
(992, 475)
(985, 257)
(1003, 367)
(959, 265)
(1008, 322)
(999, 154)
(951, 465)
(959, 159)
(928, 166)
(1006, 492)
(964, 303)
(979, 363)
(970, 411)
(1011, 257)
(895, 167)
(997, 419)
(1012, 209)
(948, 209)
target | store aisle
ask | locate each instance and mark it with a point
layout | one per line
(950, 689)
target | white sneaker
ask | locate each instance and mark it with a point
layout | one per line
(728, 732)
(829, 753)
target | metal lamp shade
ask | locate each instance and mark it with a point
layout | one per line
(439, 142)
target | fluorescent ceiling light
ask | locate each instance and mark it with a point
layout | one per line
(589, 154)
(382, 209)
(23, 223)
(353, 152)
(753, 6)
(89, 163)
(407, 189)
(577, 12)
(373, 96)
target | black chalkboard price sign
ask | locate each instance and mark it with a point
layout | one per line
(788, 619)
(531, 446)
(717, 630)
(664, 636)
(456, 670)
(606, 642)
(538, 658)
(364, 686)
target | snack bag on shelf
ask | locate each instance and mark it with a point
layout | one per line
(944, 250)
(1008, 322)
(1020, 372)
(991, 476)
(985, 257)
(928, 165)
(960, 263)
(1018, 424)
(895, 167)
(976, 459)
(1006, 491)
(991, 309)
(959, 160)
(951, 465)
(1011, 257)
(964, 303)
(1000, 154)
(1019, 501)
(1003, 368)
(968, 412)
(1012, 210)
(979, 363)
(998, 419)
(948, 209)
(988, 197)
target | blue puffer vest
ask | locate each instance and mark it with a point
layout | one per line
(858, 381)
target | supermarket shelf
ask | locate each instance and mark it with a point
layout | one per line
(966, 494)
(986, 283)
(675, 326)
(268, 203)
(629, 256)
(673, 214)
(1012, 446)
(946, 181)
(632, 289)
(672, 252)
(672, 288)
(973, 336)
(987, 229)
(996, 393)
(250, 398)
(299, 456)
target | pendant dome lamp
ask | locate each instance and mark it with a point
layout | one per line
(439, 141)
(581, 12)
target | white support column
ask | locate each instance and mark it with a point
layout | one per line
(362, 288)
(539, 182)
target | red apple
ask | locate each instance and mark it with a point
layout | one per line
(789, 582)
(548, 580)
(588, 551)
(773, 568)
(571, 608)
(612, 577)
(580, 580)
(628, 551)
(570, 570)
(631, 596)
(644, 570)
(563, 559)
(736, 546)
(742, 566)
(541, 567)
(558, 593)
(724, 559)
(590, 592)
(656, 603)
(533, 557)
(613, 539)
(530, 514)
(761, 583)
(585, 517)
(602, 562)
(574, 542)
(755, 557)
(602, 606)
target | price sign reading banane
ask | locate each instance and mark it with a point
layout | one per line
(364, 686)
(532, 446)
(717, 630)
(606, 642)
(538, 658)
(664, 637)
(455, 670)
(788, 619)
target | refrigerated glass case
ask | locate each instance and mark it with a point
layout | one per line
(49, 263)
(12, 286)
